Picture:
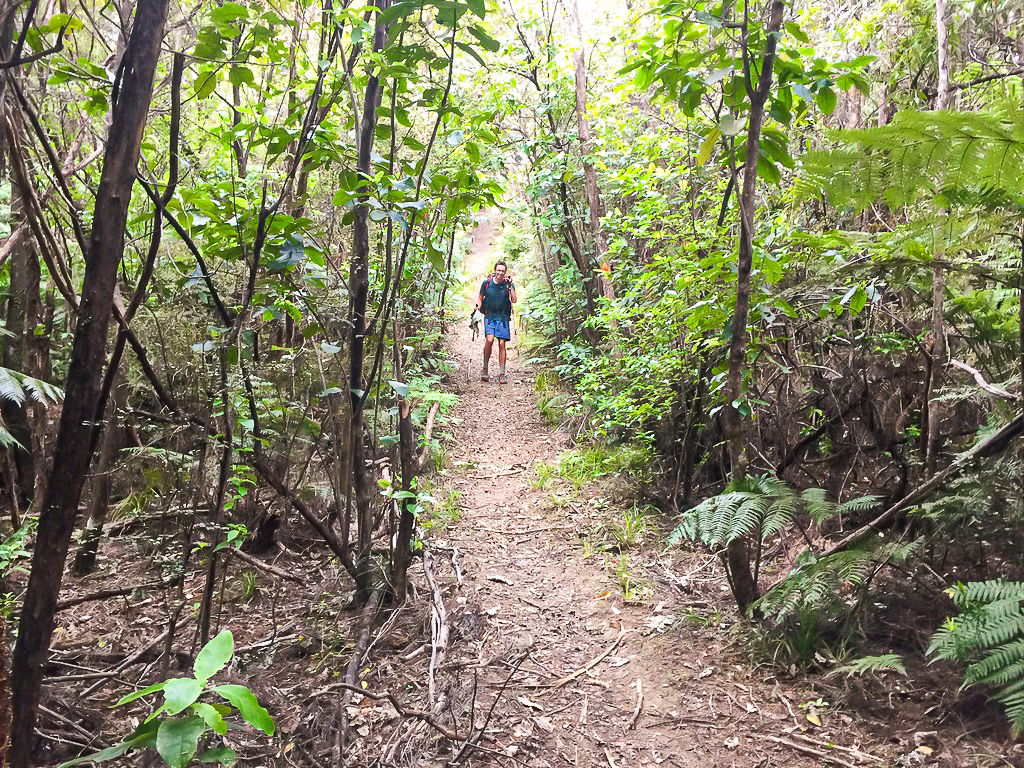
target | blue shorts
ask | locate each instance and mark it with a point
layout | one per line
(497, 326)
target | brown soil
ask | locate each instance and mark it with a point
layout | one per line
(519, 633)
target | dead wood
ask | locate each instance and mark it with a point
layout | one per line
(991, 446)
(804, 749)
(105, 593)
(593, 662)
(439, 626)
(639, 703)
(427, 430)
(273, 570)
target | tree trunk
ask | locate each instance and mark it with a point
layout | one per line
(744, 586)
(24, 311)
(85, 374)
(933, 434)
(359, 287)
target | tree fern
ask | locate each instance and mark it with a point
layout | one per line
(941, 157)
(16, 387)
(987, 635)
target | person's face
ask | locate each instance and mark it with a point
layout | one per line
(499, 273)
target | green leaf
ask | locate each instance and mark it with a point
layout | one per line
(179, 693)
(222, 755)
(794, 29)
(206, 82)
(144, 736)
(707, 146)
(246, 704)
(478, 7)
(214, 656)
(825, 98)
(139, 694)
(486, 41)
(211, 716)
(177, 740)
(730, 126)
(401, 388)
(239, 75)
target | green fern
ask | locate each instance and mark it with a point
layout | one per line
(938, 157)
(826, 581)
(869, 665)
(16, 387)
(987, 635)
(758, 506)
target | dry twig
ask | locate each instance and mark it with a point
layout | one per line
(639, 703)
(593, 663)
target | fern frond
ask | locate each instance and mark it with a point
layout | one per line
(988, 634)
(925, 156)
(41, 391)
(7, 440)
(10, 387)
(889, 662)
(985, 592)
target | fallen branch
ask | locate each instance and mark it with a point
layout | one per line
(303, 509)
(105, 593)
(523, 533)
(124, 665)
(498, 474)
(855, 753)
(979, 379)
(273, 570)
(804, 749)
(593, 663)
(438, 625)
(639, 703)
(990, 446)
(401, 709)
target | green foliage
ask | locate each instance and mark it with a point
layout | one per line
(942, 158)
(758, 506)
(871, 665)
(177, 739)
(585, 465)
(987, 635)
(823, 583)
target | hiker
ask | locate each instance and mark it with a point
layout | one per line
(495, 300)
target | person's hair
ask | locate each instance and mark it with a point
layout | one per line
(502, 262)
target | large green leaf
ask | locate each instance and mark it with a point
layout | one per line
(179, 693)
(222, 755)
(246, 704)
(214, 657)
(177, 740)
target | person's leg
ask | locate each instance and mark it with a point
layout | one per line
(488, 341)
(501, 354)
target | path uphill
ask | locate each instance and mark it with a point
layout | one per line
(584, 678)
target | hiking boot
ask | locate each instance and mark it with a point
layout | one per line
(502, 378)
(484, 376)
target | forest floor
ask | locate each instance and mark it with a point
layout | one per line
(529, 627)
(626, 658)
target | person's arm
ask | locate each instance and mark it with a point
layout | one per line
(480, 296)
(511, 291)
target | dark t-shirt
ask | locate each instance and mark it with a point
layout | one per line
(496, 298)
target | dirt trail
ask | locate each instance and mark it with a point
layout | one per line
(524, 574)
